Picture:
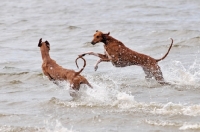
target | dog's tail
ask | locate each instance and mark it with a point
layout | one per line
(77, 73)
(157, 60)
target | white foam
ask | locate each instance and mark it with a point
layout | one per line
(125, 101)
(177, 109)
(56, 126)
(182, 126)
(178, 74)
(187, 126)
(161, 123)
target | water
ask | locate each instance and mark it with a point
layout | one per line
(121, 99)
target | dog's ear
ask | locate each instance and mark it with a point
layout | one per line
(40, 43)
(96, 30)
(106, 34)
(48, 44)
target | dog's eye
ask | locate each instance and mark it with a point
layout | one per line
(97, 36)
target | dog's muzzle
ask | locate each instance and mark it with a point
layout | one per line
(93, 43)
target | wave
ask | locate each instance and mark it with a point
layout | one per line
(190, 126)
(49, 126)
(7, 128)
(19, 76)
(57, 128)
(16, 82)
(72, 27)
(3, 115)
(124, 102)
(162, 123)
(178, 44)
(181, 125)
(13, 71)
(182, 38)
(12, 74)
(191, 42)
(177, 33)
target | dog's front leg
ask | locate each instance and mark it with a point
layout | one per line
(50, 77)
(101, 60)
(95, 54)
(102, 56)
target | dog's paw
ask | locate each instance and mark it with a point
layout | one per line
(95, 68)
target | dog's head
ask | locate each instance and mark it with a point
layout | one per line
(44, 44)
(99, 37)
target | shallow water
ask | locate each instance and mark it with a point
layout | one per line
(122, 100)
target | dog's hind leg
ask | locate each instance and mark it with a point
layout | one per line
(148, 73)
(157, 73)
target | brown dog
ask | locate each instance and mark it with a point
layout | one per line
(121, 56)
(57, 73)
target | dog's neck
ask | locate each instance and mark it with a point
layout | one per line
(45, 54)
(108, 39)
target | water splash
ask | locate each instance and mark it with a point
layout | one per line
(180, 75)
(104, 93)
(56, 126)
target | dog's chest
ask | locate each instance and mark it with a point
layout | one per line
(111, 51)
(107, 54)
